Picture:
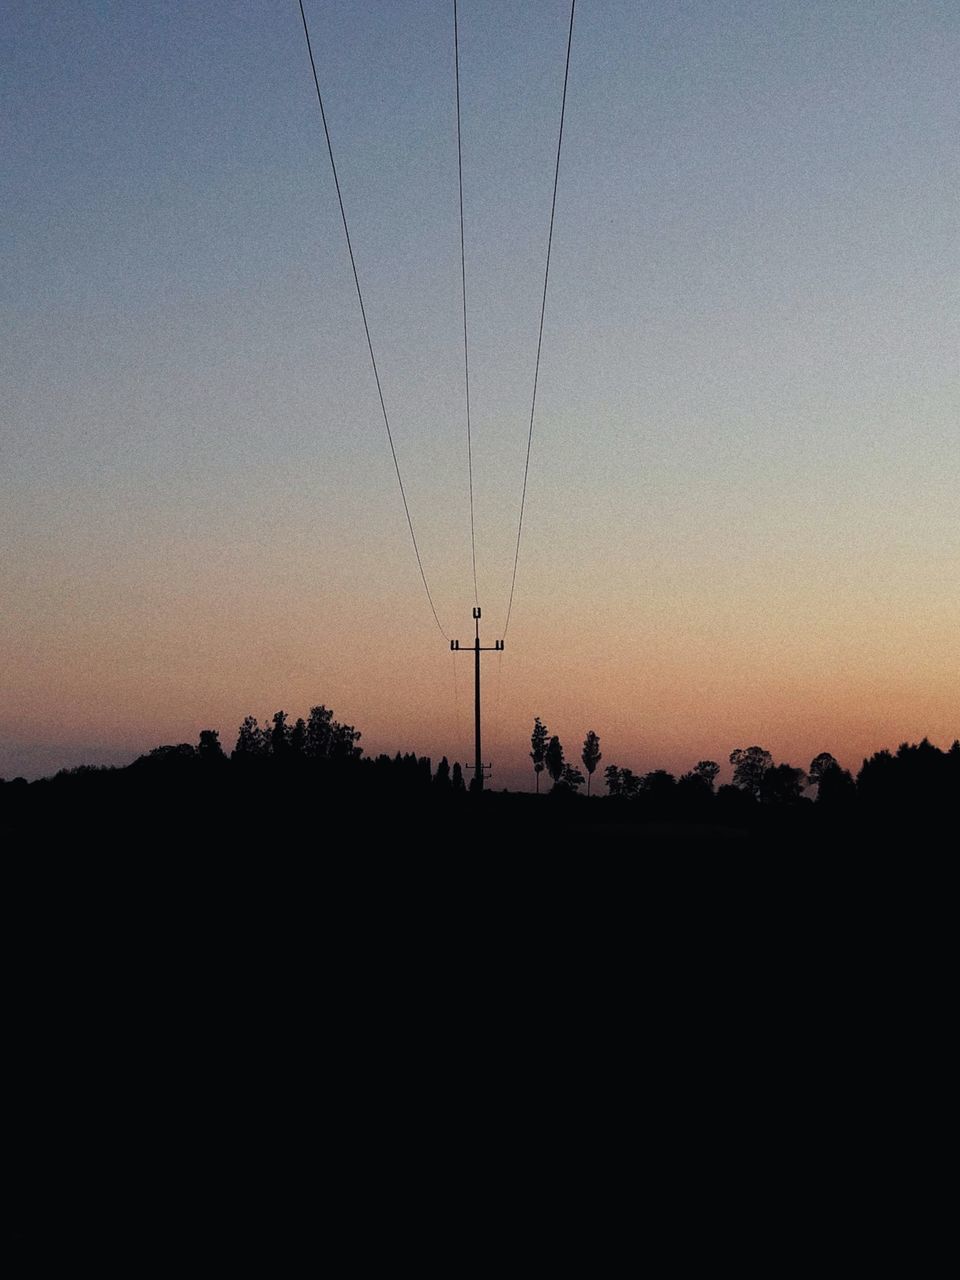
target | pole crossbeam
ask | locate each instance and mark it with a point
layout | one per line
(478, 648)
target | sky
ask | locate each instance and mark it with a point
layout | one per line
(742, 520)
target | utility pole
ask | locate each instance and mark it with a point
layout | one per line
(477, 650)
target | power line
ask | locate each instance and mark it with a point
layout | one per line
(366, 327)
(543, 307)
(463, 281)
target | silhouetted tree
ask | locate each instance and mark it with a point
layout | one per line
(749, 766)
(611, 776)
(571, 778)
(457, 779)
(659, 790)
(252, 741)
(922, 774)
(629, 784)
(319, 732)
(442, 779)
(538, 741)
(591, 755)
(553, 758)
(782, 784)
(836, 788)
(209, 749)
(170, 755)
(876, 781)
(818, 765)
(279, 734)
(298, 737)
(707, 770)
(734, 805)
(694, 792)
(343, 740)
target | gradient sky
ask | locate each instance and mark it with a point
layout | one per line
(742, 520)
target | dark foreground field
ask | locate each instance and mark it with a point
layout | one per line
(234, 816)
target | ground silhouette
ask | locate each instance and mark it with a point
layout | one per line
(308, 786)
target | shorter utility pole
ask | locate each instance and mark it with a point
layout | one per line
(478, 649)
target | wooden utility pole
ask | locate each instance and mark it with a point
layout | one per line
(478, 649)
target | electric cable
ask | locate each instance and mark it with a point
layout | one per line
(366, 327)
(543, 307)
(463, 283)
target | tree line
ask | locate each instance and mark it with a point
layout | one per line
(318, 756)
(917, 771)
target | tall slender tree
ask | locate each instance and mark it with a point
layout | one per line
(553, 757)
(538, 740)
(591, 755)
